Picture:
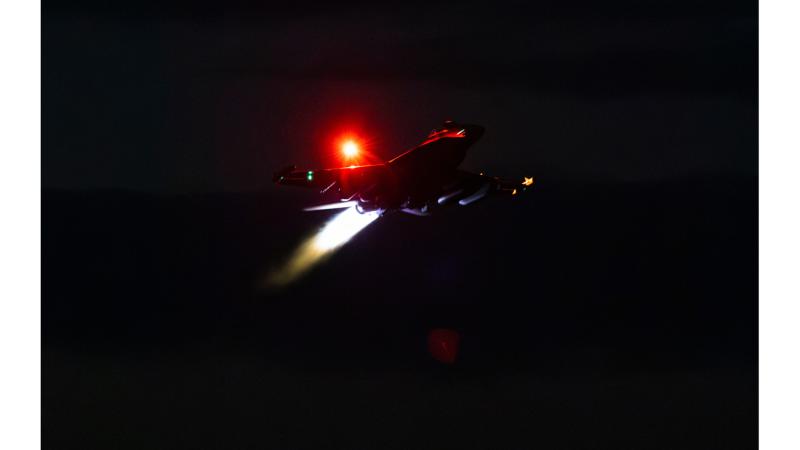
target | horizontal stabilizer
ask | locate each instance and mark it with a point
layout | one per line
(279, 175)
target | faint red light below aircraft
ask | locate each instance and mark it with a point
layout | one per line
(443, 344)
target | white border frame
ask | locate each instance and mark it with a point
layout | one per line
(779, 226)
(20, 244)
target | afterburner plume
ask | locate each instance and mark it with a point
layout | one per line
(340, 229)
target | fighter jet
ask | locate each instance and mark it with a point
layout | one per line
(415, 182)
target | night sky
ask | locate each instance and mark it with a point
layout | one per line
(613, 306)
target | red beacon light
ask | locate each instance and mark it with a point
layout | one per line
(350, 149)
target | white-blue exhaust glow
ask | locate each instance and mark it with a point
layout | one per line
(336, 232)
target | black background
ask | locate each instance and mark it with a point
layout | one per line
(613, 306)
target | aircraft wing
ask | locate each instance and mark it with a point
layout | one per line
(468, 187)
(349, 179)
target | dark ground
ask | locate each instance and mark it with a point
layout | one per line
(592, 316)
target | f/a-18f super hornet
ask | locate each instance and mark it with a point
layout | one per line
(414, 182)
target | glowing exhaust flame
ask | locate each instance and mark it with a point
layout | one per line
(340, 229)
